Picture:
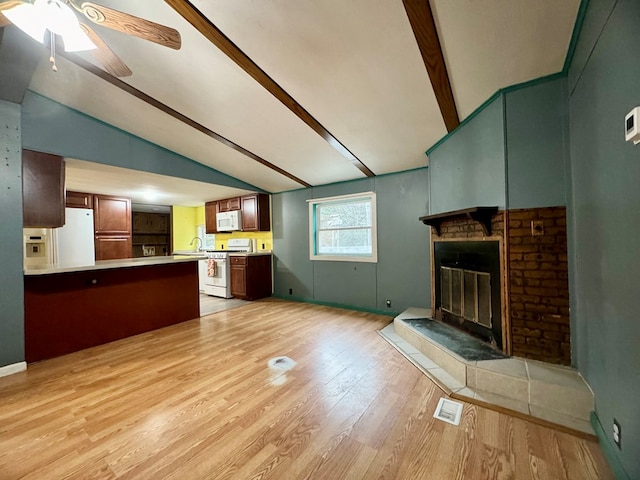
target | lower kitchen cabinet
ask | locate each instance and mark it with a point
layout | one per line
(111, 247)
(250, 276)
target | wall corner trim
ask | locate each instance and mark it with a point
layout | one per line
(608, 449)
(13, 368)
(575, 35)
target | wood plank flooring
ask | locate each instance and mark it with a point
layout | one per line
(198, 401)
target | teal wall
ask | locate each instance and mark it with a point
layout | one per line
(605, 218)
(537, 145)
(11, 285)
(468, 168)
(402, 273)
(50, 127)
(512, 153)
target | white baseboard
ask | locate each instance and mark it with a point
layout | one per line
(13, 368)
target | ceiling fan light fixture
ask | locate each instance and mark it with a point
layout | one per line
(53, 15)
(28, 18)
(75, 40)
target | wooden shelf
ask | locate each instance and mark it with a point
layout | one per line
(481, 215)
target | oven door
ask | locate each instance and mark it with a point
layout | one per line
(217, 277)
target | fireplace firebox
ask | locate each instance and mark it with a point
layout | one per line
(468, 287)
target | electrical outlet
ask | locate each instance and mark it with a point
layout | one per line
(617, 434)
(388, 303)
(291, 291)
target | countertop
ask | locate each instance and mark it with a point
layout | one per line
(250, 254)
(110, 264)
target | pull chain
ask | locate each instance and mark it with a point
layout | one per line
(52, 58)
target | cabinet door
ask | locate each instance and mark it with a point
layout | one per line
(210, 211)
(79, 200)
(42, 189)
(250, 213)
(229, 204)
(112, 215)
(112, 247)
(239, 281)
(255, 213)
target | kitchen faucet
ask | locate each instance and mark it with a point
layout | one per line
(195, 239)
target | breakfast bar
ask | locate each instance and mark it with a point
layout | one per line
(70, 308)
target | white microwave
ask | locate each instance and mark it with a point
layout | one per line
(229, 221)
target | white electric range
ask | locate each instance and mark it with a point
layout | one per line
(217, 281)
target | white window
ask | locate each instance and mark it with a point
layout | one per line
(343, 228)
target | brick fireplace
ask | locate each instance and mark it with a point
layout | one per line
(531, 275)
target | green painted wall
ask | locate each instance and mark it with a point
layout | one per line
(468, 168)
(403, 269)
(605, 218)
(51, 127)
(11, 285)
(537, 145)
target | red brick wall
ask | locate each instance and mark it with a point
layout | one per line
(539, 285)
(538, 299)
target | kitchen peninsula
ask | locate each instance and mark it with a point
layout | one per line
(70, 308)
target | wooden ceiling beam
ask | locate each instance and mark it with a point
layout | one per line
(424, 29)
(177, 115)
(212, 33)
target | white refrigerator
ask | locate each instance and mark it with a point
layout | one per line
(73, 243)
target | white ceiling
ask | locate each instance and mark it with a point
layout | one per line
(353, 65)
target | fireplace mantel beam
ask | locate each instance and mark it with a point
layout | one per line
(481, 215)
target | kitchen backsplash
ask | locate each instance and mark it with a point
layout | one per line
(263, 238)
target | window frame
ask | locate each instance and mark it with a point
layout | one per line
(313, 238)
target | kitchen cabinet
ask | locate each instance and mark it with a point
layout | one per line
(254, 208)
(255, 213)
(210, 211)
(112, 247)
(229, 204)
(112, 220)
(250, 276)
(42, 189)
(112, 215)
(79, 200)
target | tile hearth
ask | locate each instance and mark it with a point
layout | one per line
(529, 388)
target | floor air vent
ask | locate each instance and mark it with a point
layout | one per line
(448, 411)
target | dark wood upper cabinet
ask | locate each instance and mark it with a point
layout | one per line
(255, 213)
(79, 200)
(210, 211)
(229, 204)
(43, 199)
(112, 215)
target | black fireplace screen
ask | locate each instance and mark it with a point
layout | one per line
(467, 294)
(468, 287)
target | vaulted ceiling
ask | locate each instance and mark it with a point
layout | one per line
(284, 94)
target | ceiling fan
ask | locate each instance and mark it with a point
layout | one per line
(60, 19)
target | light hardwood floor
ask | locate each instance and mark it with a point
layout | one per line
(198, 401)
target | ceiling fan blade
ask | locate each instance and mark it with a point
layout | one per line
(4, 21)
(130, 24)
(111, 62)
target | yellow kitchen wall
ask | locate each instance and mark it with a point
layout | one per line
(184, 222)
(263, 238)
(200, 215)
